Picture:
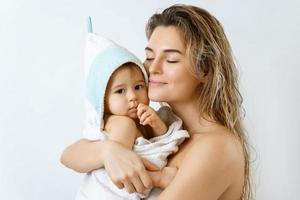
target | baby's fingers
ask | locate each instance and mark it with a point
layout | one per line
(145, 116)
(141, 109)
(147, 121)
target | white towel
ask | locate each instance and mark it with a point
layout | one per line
(98, 185)
(157, 149)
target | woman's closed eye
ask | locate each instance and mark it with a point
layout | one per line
(172, 61)
(168, 60)
(149, 58)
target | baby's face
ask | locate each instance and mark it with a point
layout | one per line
(126, 89)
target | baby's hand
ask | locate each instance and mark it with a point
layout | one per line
(167, 175)
(148, 116)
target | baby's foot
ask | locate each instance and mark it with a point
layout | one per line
(168, 173)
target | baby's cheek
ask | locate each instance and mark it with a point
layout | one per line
(145, 98)
(117, 107)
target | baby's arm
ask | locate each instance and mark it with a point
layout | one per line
(148, 116)
(121, 129)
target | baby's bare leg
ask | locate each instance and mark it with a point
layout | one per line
(155, 176)
(164, 177)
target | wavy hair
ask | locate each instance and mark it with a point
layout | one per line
(211, 56)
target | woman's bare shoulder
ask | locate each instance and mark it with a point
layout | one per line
(221, 140)
(218, 147)
(209, 167)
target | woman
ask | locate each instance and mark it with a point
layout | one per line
(191, 67)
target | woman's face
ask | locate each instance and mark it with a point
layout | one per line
(167, 64)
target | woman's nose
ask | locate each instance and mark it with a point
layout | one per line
(155, 66)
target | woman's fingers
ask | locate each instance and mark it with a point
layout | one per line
(146, 180)
(131, 181)
(129, 187)
(126, 169)
(119, 184)
(137, 183)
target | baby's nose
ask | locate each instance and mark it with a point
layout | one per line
(132, 96)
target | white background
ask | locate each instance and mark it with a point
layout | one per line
(41, 86)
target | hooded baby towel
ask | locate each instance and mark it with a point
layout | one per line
(102, 58)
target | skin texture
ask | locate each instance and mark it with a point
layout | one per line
(210, 164)
(126, 89)
(126, 95)
(167, 65)
(126, 101)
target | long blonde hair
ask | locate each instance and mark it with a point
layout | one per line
(211, 55)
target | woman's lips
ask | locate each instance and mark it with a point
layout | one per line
(156, 83)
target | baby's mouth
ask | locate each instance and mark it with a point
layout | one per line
(133, 109)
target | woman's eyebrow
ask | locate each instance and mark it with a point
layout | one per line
(172, 51)
(148, 49)
(165, 50)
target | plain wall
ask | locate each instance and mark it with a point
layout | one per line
(41, 86)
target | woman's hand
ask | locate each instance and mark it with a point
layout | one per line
(126, 169)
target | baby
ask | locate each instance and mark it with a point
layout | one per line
(127, 114)
(126, 110)
(117, 109)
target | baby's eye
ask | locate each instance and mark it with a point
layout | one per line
(120, 91)
(138, 87)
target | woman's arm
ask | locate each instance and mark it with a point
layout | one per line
(84, 155)
(207, 170)
(123, 130)
(122, 164)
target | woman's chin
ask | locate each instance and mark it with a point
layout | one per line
(157, 97)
